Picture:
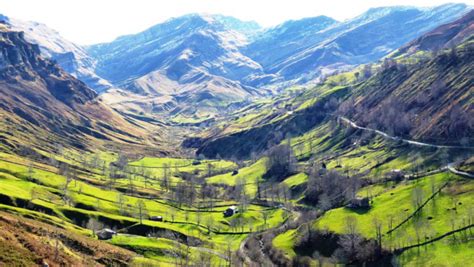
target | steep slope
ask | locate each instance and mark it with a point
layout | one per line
(71, 57)
(429, 101)
(276, 44)
(27, 242)
(191, 60)
(443, 36)
(363, 39)
(208, 62)
(177, 46)
(40, 102)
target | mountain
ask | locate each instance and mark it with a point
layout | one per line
(206, 63)
(71, 57)
(277, 44)
(40, 101)
(443, 36)
(324, 45)
(428, 101)
(248, 28)
(194, 59)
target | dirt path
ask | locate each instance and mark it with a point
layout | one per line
(243, 252)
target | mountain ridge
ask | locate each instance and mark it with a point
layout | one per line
(43, 100)
(71, 57)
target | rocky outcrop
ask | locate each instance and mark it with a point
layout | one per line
(71, 57)
(22, 60)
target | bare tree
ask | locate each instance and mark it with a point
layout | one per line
(377, 223)
(265, 218)
(121, 200)
(93, 225)
(209, 223)
(141, 210)
(417, 197)
(210, 169)
(130, 183)
(35, 193)
(280, 162)
(30, 171)
(165, 182)
(351, 241)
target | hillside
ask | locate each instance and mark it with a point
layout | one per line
(431, 101)
(29, 242)
(40, 101)
(439, 90)
(220, 143)
(444, 36)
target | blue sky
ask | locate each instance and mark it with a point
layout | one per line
(94, 21)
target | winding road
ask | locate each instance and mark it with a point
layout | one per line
(450, 167)
(411, 142)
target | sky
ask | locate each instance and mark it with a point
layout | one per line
(96, 21)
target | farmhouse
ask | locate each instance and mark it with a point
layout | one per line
(231, 211)
(156, 218)
(106, 234)
(359, 203)
(396, 175)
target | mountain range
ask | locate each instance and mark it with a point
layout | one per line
(206, 140)
(204, 64)
(423, 91)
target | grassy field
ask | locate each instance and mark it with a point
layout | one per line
(395, 203)
(26, 186)
(442, 253)
(285, 243)
(247, 175)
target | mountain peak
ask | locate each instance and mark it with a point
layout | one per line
(247, 28)
(3, 18)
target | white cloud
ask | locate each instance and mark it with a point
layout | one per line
(92, 21)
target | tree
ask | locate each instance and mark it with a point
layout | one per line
(141, 210)
(35, 193)
(367, 71)
(122, 161)
(377, 223)
(437, 89)
(351, 241)
(459, 123)
(186, 216)
(93, 225)
(121, 200)
(165, 182)
(30, 171)
(130, 183)
(357, 76)
(66, 187)
(229, 254)
(285, 193)
(265, 218)
(74, 176)
(280, 162)
(209, 223)
(210, 168)
(417, 197)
